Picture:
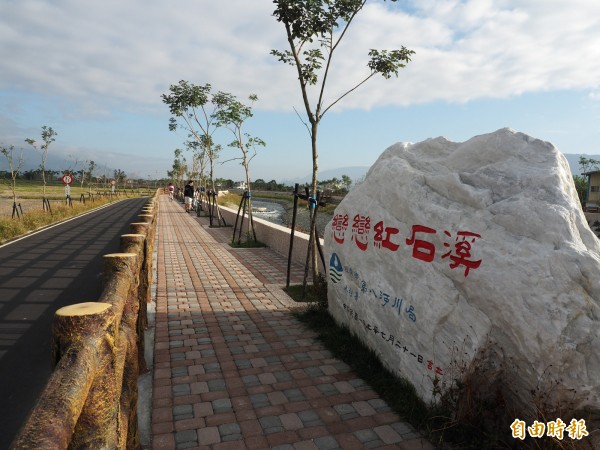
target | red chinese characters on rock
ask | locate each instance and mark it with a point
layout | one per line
(459, 252)
(339, 225)
(383, 237)
(423, 250)
(361, 228)
(462, 251)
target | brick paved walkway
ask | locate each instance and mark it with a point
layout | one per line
(234, 370)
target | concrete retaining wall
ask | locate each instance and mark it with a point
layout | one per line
(276, 237)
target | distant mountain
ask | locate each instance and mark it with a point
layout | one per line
(32, 161)
(356, 173)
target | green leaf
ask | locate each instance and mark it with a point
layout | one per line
(387, 62)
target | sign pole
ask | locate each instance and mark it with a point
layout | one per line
(67, 179)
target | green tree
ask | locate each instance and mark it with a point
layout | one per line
(232, 115)
(581, 185)
(223, 183)
(588, 164)
(196, 171)
(179, 168)
(326, 22)
(14, 167)
(211, 152)
(119, 176)
(193, 109)
(347, 181)
(47, 138)
(91, 168)
(83, 173)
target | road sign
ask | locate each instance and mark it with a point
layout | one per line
(67, 178)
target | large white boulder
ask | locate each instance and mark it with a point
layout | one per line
(474, 262)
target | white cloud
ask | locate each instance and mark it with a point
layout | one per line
(103, 55)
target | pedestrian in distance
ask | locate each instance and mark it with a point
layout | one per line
(171, 191)
(188, 195)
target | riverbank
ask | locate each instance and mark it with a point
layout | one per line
(286, 212)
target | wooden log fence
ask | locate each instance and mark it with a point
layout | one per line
(90, 400)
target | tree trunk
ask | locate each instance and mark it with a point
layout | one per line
(313, 223)
(251, 231)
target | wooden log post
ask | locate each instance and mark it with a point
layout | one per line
(73, 323)
(132, 243)
(121, 280)
(148, 230)
(70, 411)
(65, 415)
(136, 243)
(97, 423)
(139, 228)
(122, 273)
(151, 234)
(146, 218)
(129, 394)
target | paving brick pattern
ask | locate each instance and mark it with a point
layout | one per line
(233, 369)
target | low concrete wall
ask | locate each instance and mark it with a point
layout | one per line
(276, 237)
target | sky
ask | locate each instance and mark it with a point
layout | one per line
(95, 71)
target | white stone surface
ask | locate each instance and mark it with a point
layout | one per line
(527, 318)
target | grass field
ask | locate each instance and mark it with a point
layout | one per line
(55, 190)
(30, 214)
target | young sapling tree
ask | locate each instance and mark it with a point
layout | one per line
(193, 109)
(232, 116)
(14, 167)
(47, 138)
(314, 31)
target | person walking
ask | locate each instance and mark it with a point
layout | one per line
(188, 195)
(171, 191)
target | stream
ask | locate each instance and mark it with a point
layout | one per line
(280, 212)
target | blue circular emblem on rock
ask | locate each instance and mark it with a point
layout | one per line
(336, 270)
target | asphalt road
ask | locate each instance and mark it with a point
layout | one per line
(38, 275)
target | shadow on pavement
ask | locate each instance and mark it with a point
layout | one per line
(40, 274)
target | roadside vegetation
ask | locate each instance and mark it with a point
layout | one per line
(55, 190)
(33, 214)
(448, 425)
(38, 218)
